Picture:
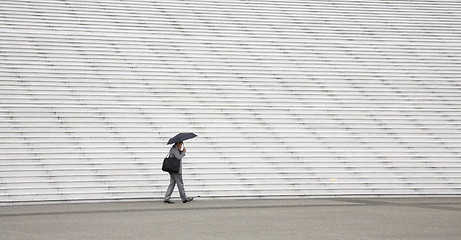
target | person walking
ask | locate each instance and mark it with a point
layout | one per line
(176, 178)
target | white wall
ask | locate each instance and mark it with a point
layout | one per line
(289, 98)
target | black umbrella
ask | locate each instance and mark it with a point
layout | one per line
(181, 137)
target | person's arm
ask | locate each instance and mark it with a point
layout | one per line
(177, 154)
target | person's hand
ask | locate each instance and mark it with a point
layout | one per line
(184, 150)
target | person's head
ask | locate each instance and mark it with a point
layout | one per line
(179, 145)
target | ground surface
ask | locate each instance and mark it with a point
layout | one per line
(422, 218)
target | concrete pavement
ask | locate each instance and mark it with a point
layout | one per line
(380, 218)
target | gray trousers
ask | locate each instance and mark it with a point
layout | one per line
(175, 178)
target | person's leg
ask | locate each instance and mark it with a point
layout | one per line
(182, 192)
(170, 189)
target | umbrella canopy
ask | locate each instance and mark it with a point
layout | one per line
(181, 137)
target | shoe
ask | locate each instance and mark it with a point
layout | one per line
(188, 200)
(168, 201)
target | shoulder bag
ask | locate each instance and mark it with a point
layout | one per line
(171, 164)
